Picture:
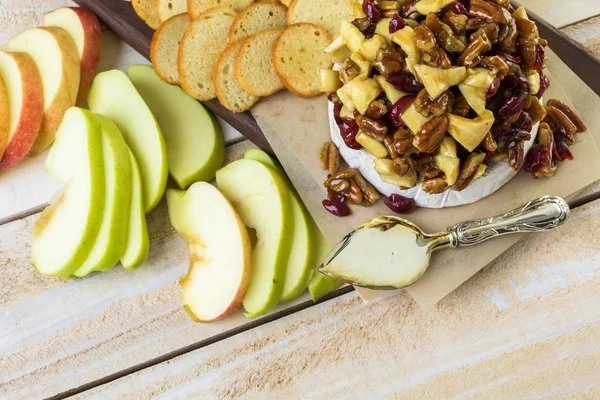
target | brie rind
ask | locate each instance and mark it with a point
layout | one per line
(494, 178)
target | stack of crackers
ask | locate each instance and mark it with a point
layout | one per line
(241, 50)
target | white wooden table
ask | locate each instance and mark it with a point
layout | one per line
(526, 327)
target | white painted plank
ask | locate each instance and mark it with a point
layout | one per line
(526, 327)
(57, 335)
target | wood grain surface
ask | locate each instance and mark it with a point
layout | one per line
(525, 327)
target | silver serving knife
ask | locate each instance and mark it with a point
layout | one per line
(391, 252)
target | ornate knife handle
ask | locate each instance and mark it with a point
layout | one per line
(545, 213)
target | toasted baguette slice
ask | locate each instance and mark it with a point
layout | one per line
(169, 8)
(298, 55)
(255, 18)
(197, 7)
(165, 47)
(325, 13)
(200, 47)
(286, 2)
(147, 10)
(229, 92)
(254, 64)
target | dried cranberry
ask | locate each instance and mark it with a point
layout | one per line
(514, 134)
(537, 158)
(513, 105)
(493, 89)
(539, 58)
(544, 85)
(561, 149)
(524, 122)
(517, 88)
(349, 129)
(336, 208)
(508, 57)
(510, 8)
(397, 23)
(370, 31)
(337, 108)
(405, 81)
(336, 197)
(398, 109)
(459, 8)
(371, 11)
(400, 204)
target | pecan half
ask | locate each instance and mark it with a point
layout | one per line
(408, 10)
(458, 22)
(497, 63)
(431, 135)
(461, 106)
(388, 142)
(560, 118)
(424, 38)
(446, 38)
(337, 184)
(575, 119)
(376, 109)
(536, 110)
(426, 166)
(437, 58)
(516, 155)
(376, 129)
(330, 158)
(491, 30)
(353, 194)
(489, 143)
(468, 170)
(434, 185)
(370, 195)
(488, 11)
(474, 51)
(475, 23)
(507, 37)
(405, 166)
(388, 60)
(349, 71)
(403, 141)
(428, 107)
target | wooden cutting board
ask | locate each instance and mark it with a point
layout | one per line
(120, 17)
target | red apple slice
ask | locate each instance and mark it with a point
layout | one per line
(220, 251)
(4, 117)
(84, 28)
(55, 55)
(26, 103)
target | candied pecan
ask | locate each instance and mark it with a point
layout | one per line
(559, 130)
(489, 143)
(468, 170)
(446, 38)
(426, 166)
(434, 185)
(349, 71)
(408, 10)
(402, 141)
(424, 38)
(361, 23)
(431, 134)
(437, 58)
(527, 42)
(428, 107)
(330, 158)
(388, 60)
(458, 22)
(386, 5)
(376, 109)
(560, 118)
(490, 29)
(354, 194)
(573, 117)
(333, 97)
(507, 37)
(499, 155)
(405, 166)
(502, 2)
(474, 51)
(337, 184)
(516, 155)
(491, 12)
(461, 106)
(369, 193)
(527, 29)
(388, 142)
(376, 129)
(475, 23)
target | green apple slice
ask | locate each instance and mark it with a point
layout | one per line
(302, 258)
(195, 145)
(65, 233)
(220, 251)
(137, 243)
(111, 239)
(113, 95)
(261, 198)
(321, 284)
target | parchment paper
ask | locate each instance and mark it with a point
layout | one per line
(296, 129)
